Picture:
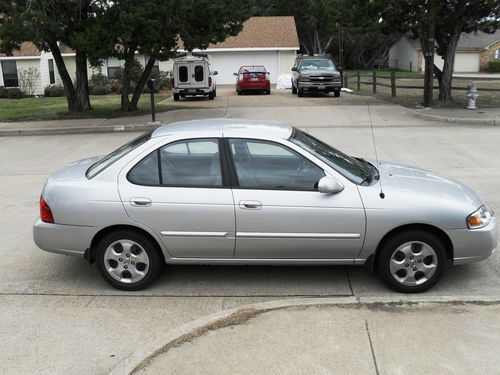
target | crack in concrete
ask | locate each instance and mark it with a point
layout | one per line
(371, 347)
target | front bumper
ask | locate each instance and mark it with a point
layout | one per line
(473, 245)
(320, 86)
(63, 239)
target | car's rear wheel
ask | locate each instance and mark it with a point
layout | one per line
(176, 97)
(268, 91)
(128, 260)
(240, 92)
(211, 96)
(411, 261)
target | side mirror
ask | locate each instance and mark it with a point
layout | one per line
(215, 72)
(329, 185)
(235, 74)
(268, 72)
(294, 69)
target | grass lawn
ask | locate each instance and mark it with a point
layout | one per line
(103, 106)
(382, 73)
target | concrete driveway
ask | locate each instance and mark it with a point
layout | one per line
(58, 316)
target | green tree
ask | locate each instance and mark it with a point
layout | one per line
(53, 25)
(443, 21)
(154, 28)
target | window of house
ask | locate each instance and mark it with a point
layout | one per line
(52, 77)
(155, 71)
(497, 54)
(114, 67)
(9, 71)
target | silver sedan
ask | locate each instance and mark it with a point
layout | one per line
(251, 192)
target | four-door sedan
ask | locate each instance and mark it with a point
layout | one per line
(251, 192)
(253, 78)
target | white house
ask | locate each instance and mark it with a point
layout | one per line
(474, 52)
(269, 41)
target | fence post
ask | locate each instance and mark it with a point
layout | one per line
(374, 82)
(359, 81)
(411, 67)
(393, 84)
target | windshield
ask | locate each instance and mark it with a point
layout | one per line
(106, 161)
(253, 69)
(307, 65)
(351, 168)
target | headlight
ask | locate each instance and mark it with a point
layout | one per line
(479, 218)
(304, 78)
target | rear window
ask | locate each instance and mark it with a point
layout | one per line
(183, 73)
(106, 161)
(198, 73)
(253, 69)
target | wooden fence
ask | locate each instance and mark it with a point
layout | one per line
(374, 81)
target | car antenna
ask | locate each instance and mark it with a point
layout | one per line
(382, 195)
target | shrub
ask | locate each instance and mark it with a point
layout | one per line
(494, 66)
(99, 79)
(53, 91)
(99, 90)
(164, 81)
(15, 93)
(3, 92)
(28, 79)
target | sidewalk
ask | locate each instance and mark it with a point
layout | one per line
(327, 336)
(480, 116)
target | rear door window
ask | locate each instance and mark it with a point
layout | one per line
(198, 73)
(183, 73)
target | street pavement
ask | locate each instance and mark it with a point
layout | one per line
(58, 316)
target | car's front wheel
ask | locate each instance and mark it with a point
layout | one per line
(128, 260)
(411, 261)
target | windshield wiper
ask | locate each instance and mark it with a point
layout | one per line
(368, 177)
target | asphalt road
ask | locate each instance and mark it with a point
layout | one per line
(52, 302)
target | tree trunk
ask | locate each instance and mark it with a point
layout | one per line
(142, 82)
(69, 89)
(447, 73)
(126, 76)
(82, 82)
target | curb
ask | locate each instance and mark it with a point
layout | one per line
(472, 120)
(157, 345)
(81, 130)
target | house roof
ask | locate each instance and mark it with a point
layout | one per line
(472, 41)
(264, 32)
(27, 49)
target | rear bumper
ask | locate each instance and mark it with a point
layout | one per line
(471, 246)
(255, 86)
(197, 91)
(63, 239)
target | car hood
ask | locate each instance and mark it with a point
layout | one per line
(75, 170)
(403, 178)
(320, 73)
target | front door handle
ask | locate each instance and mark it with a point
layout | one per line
(250, 205)
(140, 202)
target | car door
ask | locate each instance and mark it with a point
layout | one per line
(279, 212)
(179, 191)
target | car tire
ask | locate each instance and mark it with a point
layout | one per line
(300, 92)
(211, 95)
(336, 93)
(294, 89)
(240, 92)
(176, 97)
(141, 260)
(411, 261)
(268, 92)
(215, 93)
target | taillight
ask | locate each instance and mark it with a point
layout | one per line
(45, 212)
(209, 81)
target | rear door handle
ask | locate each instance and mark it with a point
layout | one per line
(140, 202)
(250, 205)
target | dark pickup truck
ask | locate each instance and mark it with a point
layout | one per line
(315, 74)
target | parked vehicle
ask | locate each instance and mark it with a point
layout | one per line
(193, 76)
(253, 78)
(254, 192)
(315, 74)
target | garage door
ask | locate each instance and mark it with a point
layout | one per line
(467, 62)
(227, 63)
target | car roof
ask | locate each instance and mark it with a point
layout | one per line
(227, 127)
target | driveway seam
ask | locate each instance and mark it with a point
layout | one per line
(371, 347)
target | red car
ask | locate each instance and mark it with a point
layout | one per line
(253, 78)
